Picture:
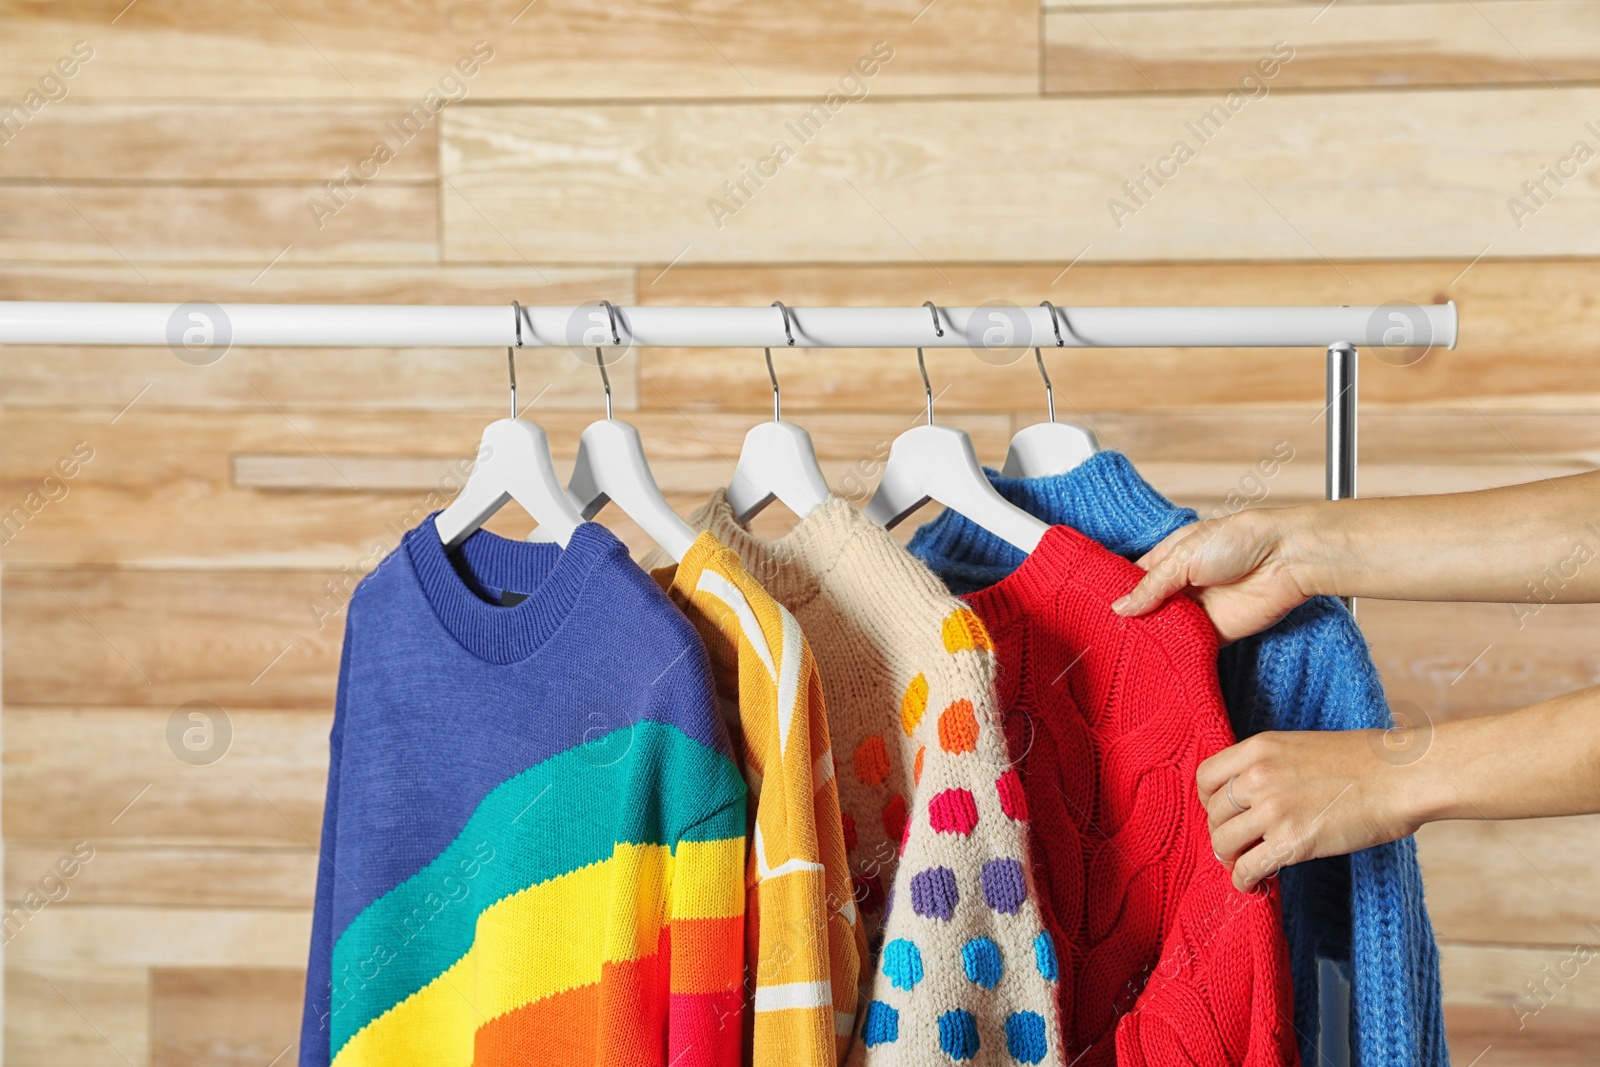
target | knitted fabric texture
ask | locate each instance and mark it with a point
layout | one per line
(803, 942)
(1162, 961)
(1312, 671)
(535, 830)
(934, 818)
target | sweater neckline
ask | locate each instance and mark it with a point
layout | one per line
(461, 585)
(790, 568)
(1064, 552)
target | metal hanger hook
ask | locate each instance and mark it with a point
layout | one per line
(938, 331)
(927, 390)
(611, 316)
(1049, 390)
(777, 408)
(511, 355)
(511, 366)
(1054, 325)
(787, 332)
(605, 379)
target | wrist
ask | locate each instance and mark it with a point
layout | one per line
(1309, 543)
(1425, 792)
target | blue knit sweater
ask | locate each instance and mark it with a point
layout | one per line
(503, 770)
(1311, 671)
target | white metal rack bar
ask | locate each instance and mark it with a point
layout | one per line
(991, 326)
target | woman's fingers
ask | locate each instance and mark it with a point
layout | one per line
(1263, 861)
(1213, 774)
(1238, 835)
(1166, 573)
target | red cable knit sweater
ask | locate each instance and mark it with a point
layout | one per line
(1162, 961)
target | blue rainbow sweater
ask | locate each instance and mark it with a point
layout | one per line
(1312, 671)
(533, 844)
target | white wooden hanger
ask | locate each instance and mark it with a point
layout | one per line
(1046, 449)
(938, 463)
(513, 464)
(611, 466)
(778, 461)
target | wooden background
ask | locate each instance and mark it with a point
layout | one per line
(205, 551)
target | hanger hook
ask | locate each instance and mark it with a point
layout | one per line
(777, 409)
(511, 367)
(786, 313)
(511, 356)
(1038, 357)
(1049, 390)
(922, 363)
(611, 316)
(1054, 325)
(599, 360)
(605, 379)
(927, 390)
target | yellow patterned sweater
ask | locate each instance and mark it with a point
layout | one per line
(804, 943)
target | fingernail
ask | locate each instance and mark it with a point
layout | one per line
(1120, 606)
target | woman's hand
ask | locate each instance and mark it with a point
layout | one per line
(1241, 569)
(1297, 796)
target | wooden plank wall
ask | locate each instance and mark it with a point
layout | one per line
(690, 152)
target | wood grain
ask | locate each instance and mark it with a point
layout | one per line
(165, 937)
(1493, 976)
(66, 1013)
(191, 143)
(565, 49)
(160, 638)
(1023, 180)
(1199, 46)
(200, 876)
(108, 776)
(1558, 1037)
(238, 224)
(224, 1016)
(1528, 881)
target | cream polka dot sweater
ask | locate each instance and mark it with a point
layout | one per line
(935, 824)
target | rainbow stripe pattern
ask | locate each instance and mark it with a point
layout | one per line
(534, 845)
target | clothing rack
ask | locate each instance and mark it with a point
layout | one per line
(1339, 331)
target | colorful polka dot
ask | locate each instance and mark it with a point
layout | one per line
(953, 811)
(1004, 888)
(1044, 955)
(902, 964)
(849, 825)
(913, 704)
(958, 728)
(958, 1034)
(881, 1026)
(980, 958)
(1012, 799)
(916, 767)
(933, 893)
(871, 761)
(964, 633)
(894, 819)
(1025, 1038)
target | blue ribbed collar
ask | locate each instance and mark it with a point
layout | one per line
(463, 585)
(1104, 498)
